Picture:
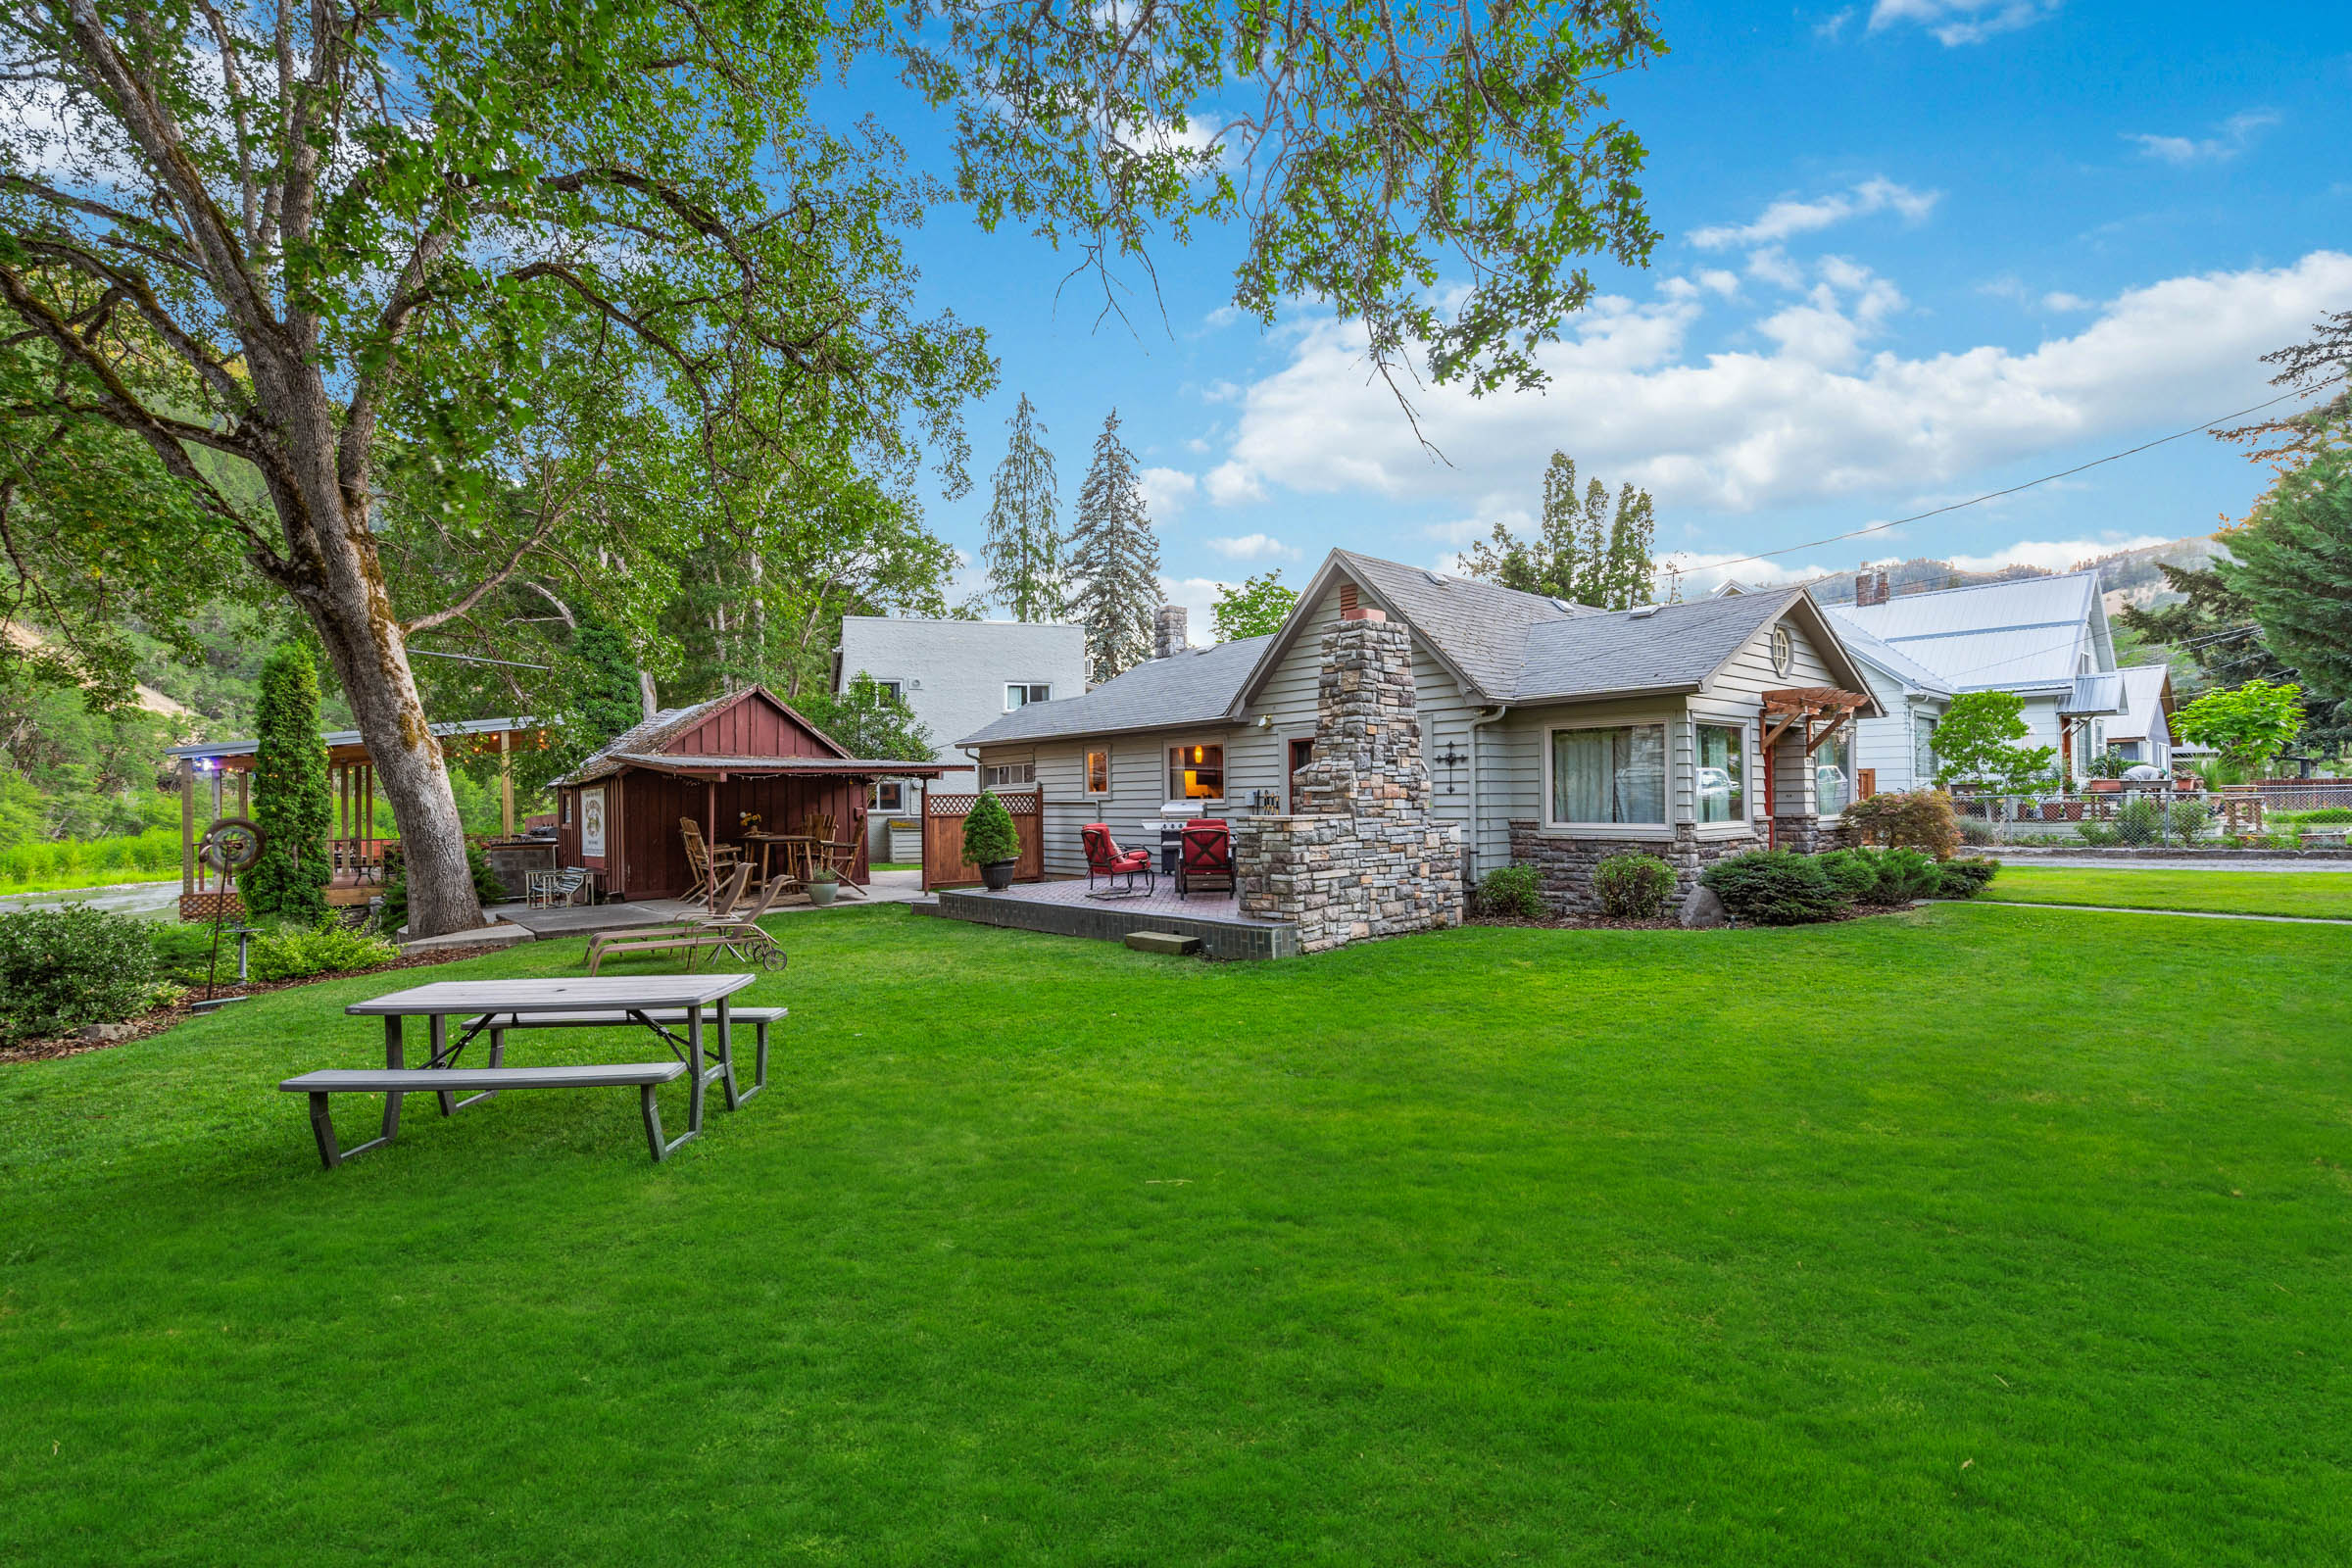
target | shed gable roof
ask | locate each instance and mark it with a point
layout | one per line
(667, 732)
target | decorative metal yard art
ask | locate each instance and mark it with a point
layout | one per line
(233, 845)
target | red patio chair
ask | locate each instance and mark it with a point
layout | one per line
(1205, 852)
(1104, 859)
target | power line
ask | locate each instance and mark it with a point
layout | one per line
(1996, 495)
(472, 658)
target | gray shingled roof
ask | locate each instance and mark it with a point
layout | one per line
(1195, 687)
(1480, 628)
(1605, 651)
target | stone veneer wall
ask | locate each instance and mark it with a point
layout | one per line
(1564, 865)
(1362, 857)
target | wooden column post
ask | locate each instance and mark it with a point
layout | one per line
(187, 826)
(506, 785)
(244, 792)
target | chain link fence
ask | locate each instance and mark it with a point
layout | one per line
(2136, 817)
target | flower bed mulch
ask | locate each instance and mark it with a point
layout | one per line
(1581, 922)
(158, 1019)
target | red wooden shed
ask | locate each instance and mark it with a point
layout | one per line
(618, 813)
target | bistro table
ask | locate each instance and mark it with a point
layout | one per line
(504, 1004)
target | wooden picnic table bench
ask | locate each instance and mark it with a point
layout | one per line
(643, 1076)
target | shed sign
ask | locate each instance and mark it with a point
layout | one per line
(592, 821)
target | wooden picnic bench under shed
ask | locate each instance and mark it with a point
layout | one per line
(745, 754)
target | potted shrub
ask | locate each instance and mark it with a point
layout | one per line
(990, 841)
(824, 885)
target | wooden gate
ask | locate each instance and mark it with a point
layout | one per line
(944, 864)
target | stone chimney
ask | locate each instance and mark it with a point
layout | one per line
(1870, 588)
(1168, 634)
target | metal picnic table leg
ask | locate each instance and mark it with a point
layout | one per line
(694, 1069)
(726, 1052)
(440, 1049)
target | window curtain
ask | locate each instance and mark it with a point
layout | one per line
(1609, 775)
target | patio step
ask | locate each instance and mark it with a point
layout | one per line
(1168, 942)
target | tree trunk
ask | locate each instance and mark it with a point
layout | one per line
(354, 619)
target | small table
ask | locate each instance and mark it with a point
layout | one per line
(637, 995)
(796, 851)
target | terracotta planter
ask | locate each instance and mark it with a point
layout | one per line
(2106, 786)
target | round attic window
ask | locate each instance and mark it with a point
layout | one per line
(1783, 651)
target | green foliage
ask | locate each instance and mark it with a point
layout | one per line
(1776, 887)
(1975, 744)
(1024, 545)
(1582, 552)
(394, 911)
(1881, 877)
(1633, 886)
(2293, 564)
(989, 836)
(292, 802)
(1964, 877)
(1920, 818)
(297, 953)
(2248, 724)
(2109, 763)
(57, 862)
(68, 770)
(1115, 559)
(60, 968)
(1516, 890)
(2188, 818)
(2320, 817)
(868, 719)
(1256, 609)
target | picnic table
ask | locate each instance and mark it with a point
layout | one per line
(795, 846)
(655, 1001)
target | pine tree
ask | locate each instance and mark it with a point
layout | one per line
(1024, 547)
(292, 804)
(1116, 558)
(1582, 552)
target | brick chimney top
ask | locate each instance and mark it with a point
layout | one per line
(1170, 636)
(1870, 588)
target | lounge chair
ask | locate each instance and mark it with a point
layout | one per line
(1104, 859)
(739, 936)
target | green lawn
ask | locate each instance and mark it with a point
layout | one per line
(1976, 1235)
(2326, 895)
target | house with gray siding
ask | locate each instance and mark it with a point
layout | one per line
(1552, 733)
(957, 676)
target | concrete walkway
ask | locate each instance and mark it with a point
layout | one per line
(2192, 915)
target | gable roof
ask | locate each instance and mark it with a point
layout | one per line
(2145, 688)
(2026, 633)
(1198, 686)
(652, 738)
(1898, 665)
(1665, 648)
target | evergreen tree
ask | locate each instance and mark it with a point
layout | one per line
(2293, 570)
(291, 801)
(1024, 548)
(1582, 552)
(1116, 558)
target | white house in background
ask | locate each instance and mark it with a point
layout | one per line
(2142, 732)
(2045, 638)
(957, 676)
(1892, 753)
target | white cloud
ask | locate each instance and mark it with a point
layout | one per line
(1231, 483)
(2060, 300)
(1829, 26)
(1166, 491)
(2237, 133)
(2054, 555)
(1954, 22)
(1809, 417)
(1254, 547)
(1789, 216)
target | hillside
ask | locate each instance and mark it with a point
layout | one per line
(2128, 576)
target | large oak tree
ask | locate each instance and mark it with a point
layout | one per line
(272, 266)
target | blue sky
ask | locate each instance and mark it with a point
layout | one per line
(1914, 249)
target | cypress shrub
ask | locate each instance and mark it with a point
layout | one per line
(1776, 887)
(987, 832)
(291, 801)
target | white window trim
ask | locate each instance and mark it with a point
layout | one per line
(1086, 782)
(1613, 830)
(1745, 824)
(1224, 766)
(1023, 687)
(980, 780)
